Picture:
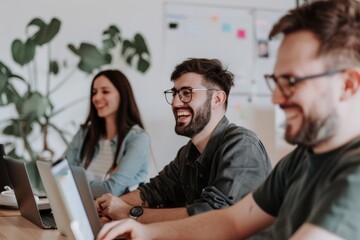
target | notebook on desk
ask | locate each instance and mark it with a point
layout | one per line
(70, 198)
(30, 208)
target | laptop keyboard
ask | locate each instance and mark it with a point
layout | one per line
(48, 220)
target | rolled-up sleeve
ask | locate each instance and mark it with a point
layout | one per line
(165, 190)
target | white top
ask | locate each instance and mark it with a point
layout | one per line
(100, 165)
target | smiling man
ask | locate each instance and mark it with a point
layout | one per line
(220, 164)
(313, 192)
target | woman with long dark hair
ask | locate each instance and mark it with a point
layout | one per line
(112, 144)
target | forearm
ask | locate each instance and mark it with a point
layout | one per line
(133, 199)
(239, 221)
(151, 215)
(209, 225)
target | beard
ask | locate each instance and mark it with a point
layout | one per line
(198, 121)
(313, 131)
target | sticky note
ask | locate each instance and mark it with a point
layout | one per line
(226, 27)
(241, 33)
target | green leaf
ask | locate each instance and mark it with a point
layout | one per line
(8, 93)
(143, 65)
(91, 58)
(112, 31)
(18, 128)
(129, 59)
(54, 67)
(140, 44)
(111, 37)
(34, 106)
(108, 44)
(126, 46)
(4, 72)
(73, 49)
(46, 32)
(23, 53)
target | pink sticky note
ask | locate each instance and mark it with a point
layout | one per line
(241, 33)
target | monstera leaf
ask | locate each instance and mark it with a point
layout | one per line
(111, 37)
(90, 57)
(23, 53)
(8, 93)
(136, 48)
(46, 32)
(18, 128)
(33, 106)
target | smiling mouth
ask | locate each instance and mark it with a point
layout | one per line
(182, 115)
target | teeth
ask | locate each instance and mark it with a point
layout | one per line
(183, 114)
(290, 114)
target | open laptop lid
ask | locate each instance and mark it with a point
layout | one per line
(23, 191)
(71, 205)
(4, 176)
(57, 205)
(86, 197)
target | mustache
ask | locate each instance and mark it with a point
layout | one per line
(291, 105)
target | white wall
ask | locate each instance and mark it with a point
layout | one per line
(84, 20)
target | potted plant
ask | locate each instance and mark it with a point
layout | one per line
(34, 108)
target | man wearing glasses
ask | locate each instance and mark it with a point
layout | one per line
(314, 191)
(220, 164)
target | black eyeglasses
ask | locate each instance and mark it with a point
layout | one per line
(286, 83)
(185, 94)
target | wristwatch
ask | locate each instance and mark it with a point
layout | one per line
(136, 212)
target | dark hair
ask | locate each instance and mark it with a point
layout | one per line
(127, 115)
(211, 69)
(336, 24)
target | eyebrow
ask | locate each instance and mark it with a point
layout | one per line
(183, 87)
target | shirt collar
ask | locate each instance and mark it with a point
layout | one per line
(205, 159)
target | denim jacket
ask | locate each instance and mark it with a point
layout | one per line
(132, 161)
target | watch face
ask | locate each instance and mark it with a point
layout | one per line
(136, 211)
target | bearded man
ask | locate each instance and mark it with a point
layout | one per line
(220, 164)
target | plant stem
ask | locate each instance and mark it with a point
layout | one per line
(67, 105)
(48, 73)
(60, 132)
(67, 77)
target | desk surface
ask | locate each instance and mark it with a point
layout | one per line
(6, 212)
(14, 226)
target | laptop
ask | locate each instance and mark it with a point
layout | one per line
(74, 210)
(4, 177)
(39, 214)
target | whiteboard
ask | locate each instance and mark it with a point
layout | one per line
(230, 34)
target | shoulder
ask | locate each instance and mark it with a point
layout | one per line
(136, 132)
(80, 134)
(234, 130)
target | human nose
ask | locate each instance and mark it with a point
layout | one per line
(96, 96)
(278, 97)
(176, 101)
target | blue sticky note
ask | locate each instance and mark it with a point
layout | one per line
(226, 27)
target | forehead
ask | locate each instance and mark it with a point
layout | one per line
(192, 80)
(102, 82)
(298, 55)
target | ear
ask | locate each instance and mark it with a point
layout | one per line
(351, 84)
(219, 98)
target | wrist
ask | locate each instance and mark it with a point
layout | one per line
(135, 212)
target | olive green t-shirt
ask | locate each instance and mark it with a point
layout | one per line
(321, 189)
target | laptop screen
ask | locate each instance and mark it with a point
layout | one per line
(80, 224)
